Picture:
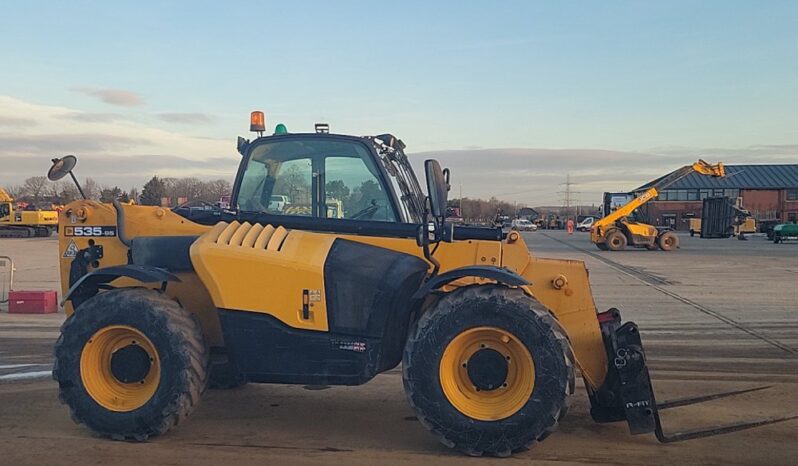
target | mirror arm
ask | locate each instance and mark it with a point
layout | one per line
(436, 266)
(82, 194)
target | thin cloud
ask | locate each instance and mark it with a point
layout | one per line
(120, 97)
(81, 142)
(186, 118)
(536, 176)
(17, 122)
(88, 117)
(124, 170)
(761, 153)
(110, 148)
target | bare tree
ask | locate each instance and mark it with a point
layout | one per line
(92, 189)
(188, 188)
(34, 188)
(216, 189)
(14, 191)
(64, 192)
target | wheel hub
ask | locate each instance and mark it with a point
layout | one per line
(487, 369)
(130, 364)
(487, 373)
(120, 368)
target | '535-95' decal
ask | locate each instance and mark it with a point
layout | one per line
(90, 231)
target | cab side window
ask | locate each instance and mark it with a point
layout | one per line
(353, 190)
(315, 177)
(292, 189)
(282, 188)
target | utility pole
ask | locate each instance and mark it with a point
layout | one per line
(568, 200)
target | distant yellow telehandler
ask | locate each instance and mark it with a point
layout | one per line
(489, 336)
(617, 229)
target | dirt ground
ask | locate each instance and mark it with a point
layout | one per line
(715, 315)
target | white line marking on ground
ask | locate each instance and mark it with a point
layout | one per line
(14, 366)
(26, 376)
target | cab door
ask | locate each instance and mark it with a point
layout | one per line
(5, 212)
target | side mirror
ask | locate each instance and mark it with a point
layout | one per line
(63, 167)
(437, 187)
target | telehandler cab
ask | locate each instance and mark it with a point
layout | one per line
(489, 336)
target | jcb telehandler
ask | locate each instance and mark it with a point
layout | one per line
(489, 337)
(618, 228)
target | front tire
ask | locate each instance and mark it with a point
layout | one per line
(668, 241)
(130, 363)
(488, 370)
(616, 241)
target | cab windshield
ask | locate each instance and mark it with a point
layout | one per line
(315, 176)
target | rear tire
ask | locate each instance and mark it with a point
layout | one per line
(88, 366)
(668, 241)
(498, 419)
(602, 246)
(616, 240)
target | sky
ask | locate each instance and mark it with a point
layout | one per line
(512, 96)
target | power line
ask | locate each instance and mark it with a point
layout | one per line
(568, 200)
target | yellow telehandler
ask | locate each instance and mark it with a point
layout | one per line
(619, 229)
(489, 337)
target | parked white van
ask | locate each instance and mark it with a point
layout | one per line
(523, 224)
(585, 224)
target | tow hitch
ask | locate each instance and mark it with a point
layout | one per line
(627, 393)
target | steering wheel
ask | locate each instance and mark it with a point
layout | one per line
(368, 212)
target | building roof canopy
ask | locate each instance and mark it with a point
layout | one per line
(740, 177)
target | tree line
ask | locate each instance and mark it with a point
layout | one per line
(481, 210)
(41, 192)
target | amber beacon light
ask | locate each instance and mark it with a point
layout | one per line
(257, 122)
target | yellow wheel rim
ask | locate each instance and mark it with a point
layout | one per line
(501, 400)
(99, 379)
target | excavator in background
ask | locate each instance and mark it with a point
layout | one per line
(15, 223)
(619, 229)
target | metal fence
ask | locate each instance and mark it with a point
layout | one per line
(6, 277)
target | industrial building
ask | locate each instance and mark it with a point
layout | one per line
(769, 192)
